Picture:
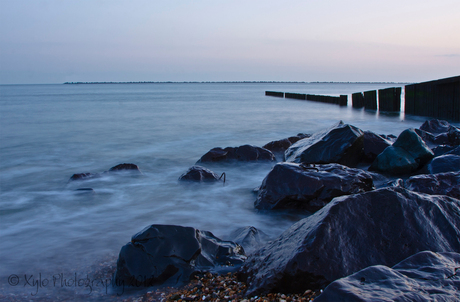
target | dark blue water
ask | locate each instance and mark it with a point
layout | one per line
(49, 132)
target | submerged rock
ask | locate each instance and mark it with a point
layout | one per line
(168, 254)
(299, 186)
(405, 156)
(380, 227)
(341, 144)
(84, 176)
(125, 167)
(242, 153)
(425, 276)
(199, 174)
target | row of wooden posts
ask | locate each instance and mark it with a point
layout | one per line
(438, 99)
(338, 100)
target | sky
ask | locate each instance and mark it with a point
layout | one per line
(59, 41)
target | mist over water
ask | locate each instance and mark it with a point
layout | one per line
(50, 132)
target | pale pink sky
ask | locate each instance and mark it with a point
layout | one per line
(57, 41)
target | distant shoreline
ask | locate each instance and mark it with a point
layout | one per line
(231, 82)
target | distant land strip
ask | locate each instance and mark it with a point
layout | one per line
(236, 82)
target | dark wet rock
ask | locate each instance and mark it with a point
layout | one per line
(125, 167)
(396, 161)
(341, 144)
(280, 146)
(444, 163)
(436, 184)
(249, 238)
(405, 156)
(454, 136)
(242, 153)
(455, 151)
(84, 176)
(168, 254)
(380, 227)
(443, 132)
(443, 149)
(436, 126)
(300, 186)
(412, 143)
(199, 174)
(85, 190)
(390, 137)
(374, 144)
(425, 276)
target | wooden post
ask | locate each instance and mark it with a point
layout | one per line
(357, 100)
(370, 100)
(390, 99)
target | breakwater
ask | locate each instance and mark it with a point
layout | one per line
(437, 99)
(440, 98)
(338, 100)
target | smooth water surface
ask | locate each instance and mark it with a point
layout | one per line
(50, 132)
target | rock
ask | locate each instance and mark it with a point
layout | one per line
(412, 143)
(125, 167)
(85, 190)
(380, 227)
(436, 126)
(435, 184)
(168, 254)
(341, 144)
(199, 174)
(425, 276)
(84, 176)
(280, 146)
(242, 153)
(374, 144)
(395, 161)
(298, 186)
(443, 132)
(443, 149)
(405, 156)
(444, 163)
(454, 136)
(455, 151)
(249, 238)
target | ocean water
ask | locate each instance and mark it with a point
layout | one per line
(50, 132)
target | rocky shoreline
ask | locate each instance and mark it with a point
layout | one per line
(384, 208)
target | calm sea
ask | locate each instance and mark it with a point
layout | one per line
(49, 132)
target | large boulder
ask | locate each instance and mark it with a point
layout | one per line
(435, 184)
(444, 163)
(299, 186)
(341, 144)
(199, 174)
(373, 145)
(168, 254)
(380, 227)
(425, 276)
(241, 153)
(408, 154)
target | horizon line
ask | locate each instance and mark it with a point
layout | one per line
(237, 82)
